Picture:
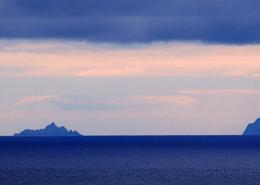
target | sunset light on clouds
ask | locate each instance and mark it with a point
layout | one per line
(130, 67)
(151, 92)
(80, 59)
(93, 85)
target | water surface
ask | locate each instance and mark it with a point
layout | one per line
(130, 160)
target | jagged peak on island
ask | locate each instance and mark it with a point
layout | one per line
(50, 130)
(253, 128)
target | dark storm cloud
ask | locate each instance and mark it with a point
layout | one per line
(220, 21)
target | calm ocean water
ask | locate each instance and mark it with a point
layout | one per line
(126, 160)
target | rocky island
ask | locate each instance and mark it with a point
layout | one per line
(50, 130)
(253, 128)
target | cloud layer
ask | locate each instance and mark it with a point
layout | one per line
(233, 21)
(90, 60)
(155, 88)
(93, 103)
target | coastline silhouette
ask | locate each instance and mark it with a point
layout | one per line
(50, 130)
(253, 128)
(53, 130)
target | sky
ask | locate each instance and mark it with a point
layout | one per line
(114, 67)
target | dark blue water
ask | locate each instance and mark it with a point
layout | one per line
(130, 160)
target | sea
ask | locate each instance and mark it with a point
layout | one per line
(130, 160)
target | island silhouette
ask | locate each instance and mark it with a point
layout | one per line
(53, 130)
(253, 128)
(50, 130)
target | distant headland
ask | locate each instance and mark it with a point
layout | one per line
(50, 130)
(253, 128)
(53, 130)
